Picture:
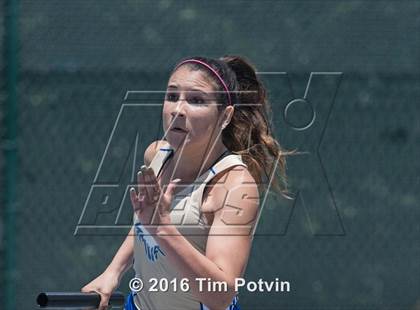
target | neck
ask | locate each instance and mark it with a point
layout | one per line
(191, 162)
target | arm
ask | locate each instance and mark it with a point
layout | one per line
(123, 260)
(124, 257)
(229, 241)
(109, 280)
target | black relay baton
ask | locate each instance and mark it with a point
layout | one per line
(77, 299)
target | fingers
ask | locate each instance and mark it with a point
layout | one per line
(135, 202)
(171, 189)
(153, 185)
(149, 187)
(104, 300)
(147, 176)
(104, 297)
(140, 183)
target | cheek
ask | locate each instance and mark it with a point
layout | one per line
(166, 117)
(202, 124)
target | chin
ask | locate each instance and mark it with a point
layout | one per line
(176, 140)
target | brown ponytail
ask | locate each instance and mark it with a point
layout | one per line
(249, 132)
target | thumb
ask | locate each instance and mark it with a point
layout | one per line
(171, 188)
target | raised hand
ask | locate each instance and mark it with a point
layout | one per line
(151, 204)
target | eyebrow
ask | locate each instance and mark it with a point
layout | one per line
(192, 89)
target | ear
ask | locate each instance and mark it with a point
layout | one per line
(228, 115)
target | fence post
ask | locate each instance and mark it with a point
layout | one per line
(9, 147)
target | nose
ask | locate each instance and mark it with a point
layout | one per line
(179, 107)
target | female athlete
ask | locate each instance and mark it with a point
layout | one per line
(197, 198)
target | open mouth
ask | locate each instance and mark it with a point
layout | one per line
(177, 129)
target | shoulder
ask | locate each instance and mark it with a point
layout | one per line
(235, 176)
(234, 188)
(152, 149)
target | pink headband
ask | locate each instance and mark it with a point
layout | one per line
(212, 70)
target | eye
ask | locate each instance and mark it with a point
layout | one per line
(196, 100)
(173, 97)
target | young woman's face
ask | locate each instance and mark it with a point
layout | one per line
(190, 109)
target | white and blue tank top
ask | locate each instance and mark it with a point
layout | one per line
(150, 260)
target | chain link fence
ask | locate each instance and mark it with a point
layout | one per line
(349, 239)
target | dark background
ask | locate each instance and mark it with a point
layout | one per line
(350, 239)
